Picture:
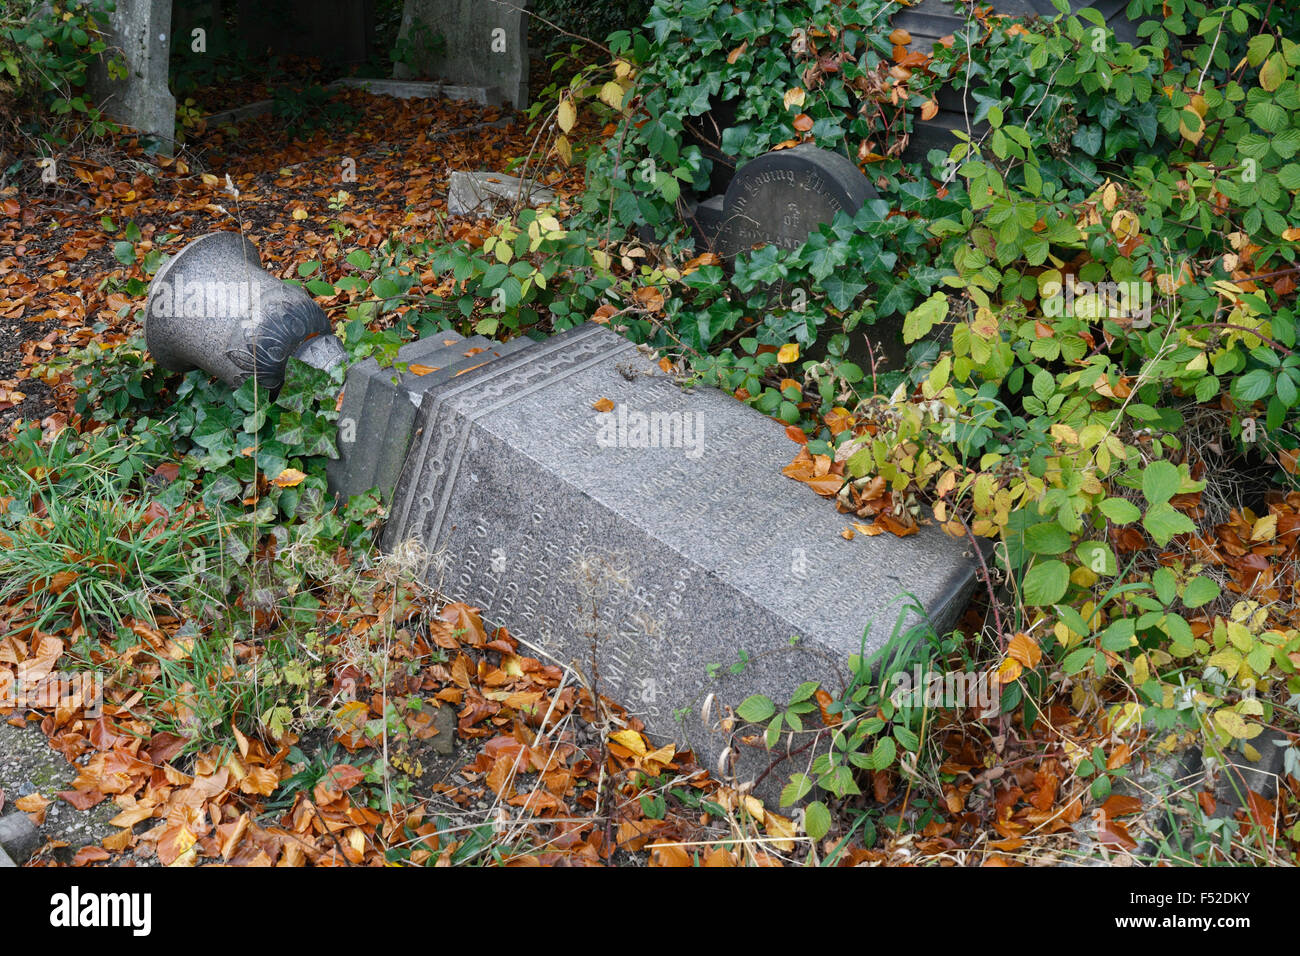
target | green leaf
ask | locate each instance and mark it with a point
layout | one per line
(756, 708)
(1119, 510)
(360, 259)
(1097, 557)
(1163, 523)
(800, 786)
(1200, 590)
(918, 323)
(1078, 659)
(124, 252)
(1160, 482)
(1253, 386)
(1046, 583)
(817, 820)
(1047, 538)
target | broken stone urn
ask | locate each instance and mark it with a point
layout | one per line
(212, 306)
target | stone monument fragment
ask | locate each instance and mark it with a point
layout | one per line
(140, 33)
(484, 43)
(645, 535)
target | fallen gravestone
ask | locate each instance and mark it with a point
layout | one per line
(483, 43)
(377, 416)
(653, 544)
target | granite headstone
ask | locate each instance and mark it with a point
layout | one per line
(655, 540)
(781, 198)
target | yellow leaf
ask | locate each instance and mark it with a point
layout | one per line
(300, 213)
(1232, 723)
(781, 829)
(289, 478)
(603, 405)
(564, 150)
(788, 353)
(1009, 670)
(567, 115)
(1265, 529)
(611, 94)
(1124, 224)
(985, 324)
(631, 740)
(1065, 433)
(793, 97)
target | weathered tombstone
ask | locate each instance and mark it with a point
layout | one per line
(781, 198)
(475, 192)
(377, 417)
(485, 43)
(139, 32)
(648, 544)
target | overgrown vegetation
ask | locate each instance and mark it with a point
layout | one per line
(1097, 289)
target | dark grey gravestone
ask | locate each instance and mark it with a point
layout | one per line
(660, 537)
(781, 198)
(379, 405)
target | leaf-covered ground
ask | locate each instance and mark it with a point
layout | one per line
(541, 771)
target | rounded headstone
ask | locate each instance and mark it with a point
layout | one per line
(781, 198)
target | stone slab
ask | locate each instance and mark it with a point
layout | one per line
(655, 562)
(472, 193)
(485, 43)
(423, 89)
(380, 403)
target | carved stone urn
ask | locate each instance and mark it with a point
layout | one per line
(212, 306)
